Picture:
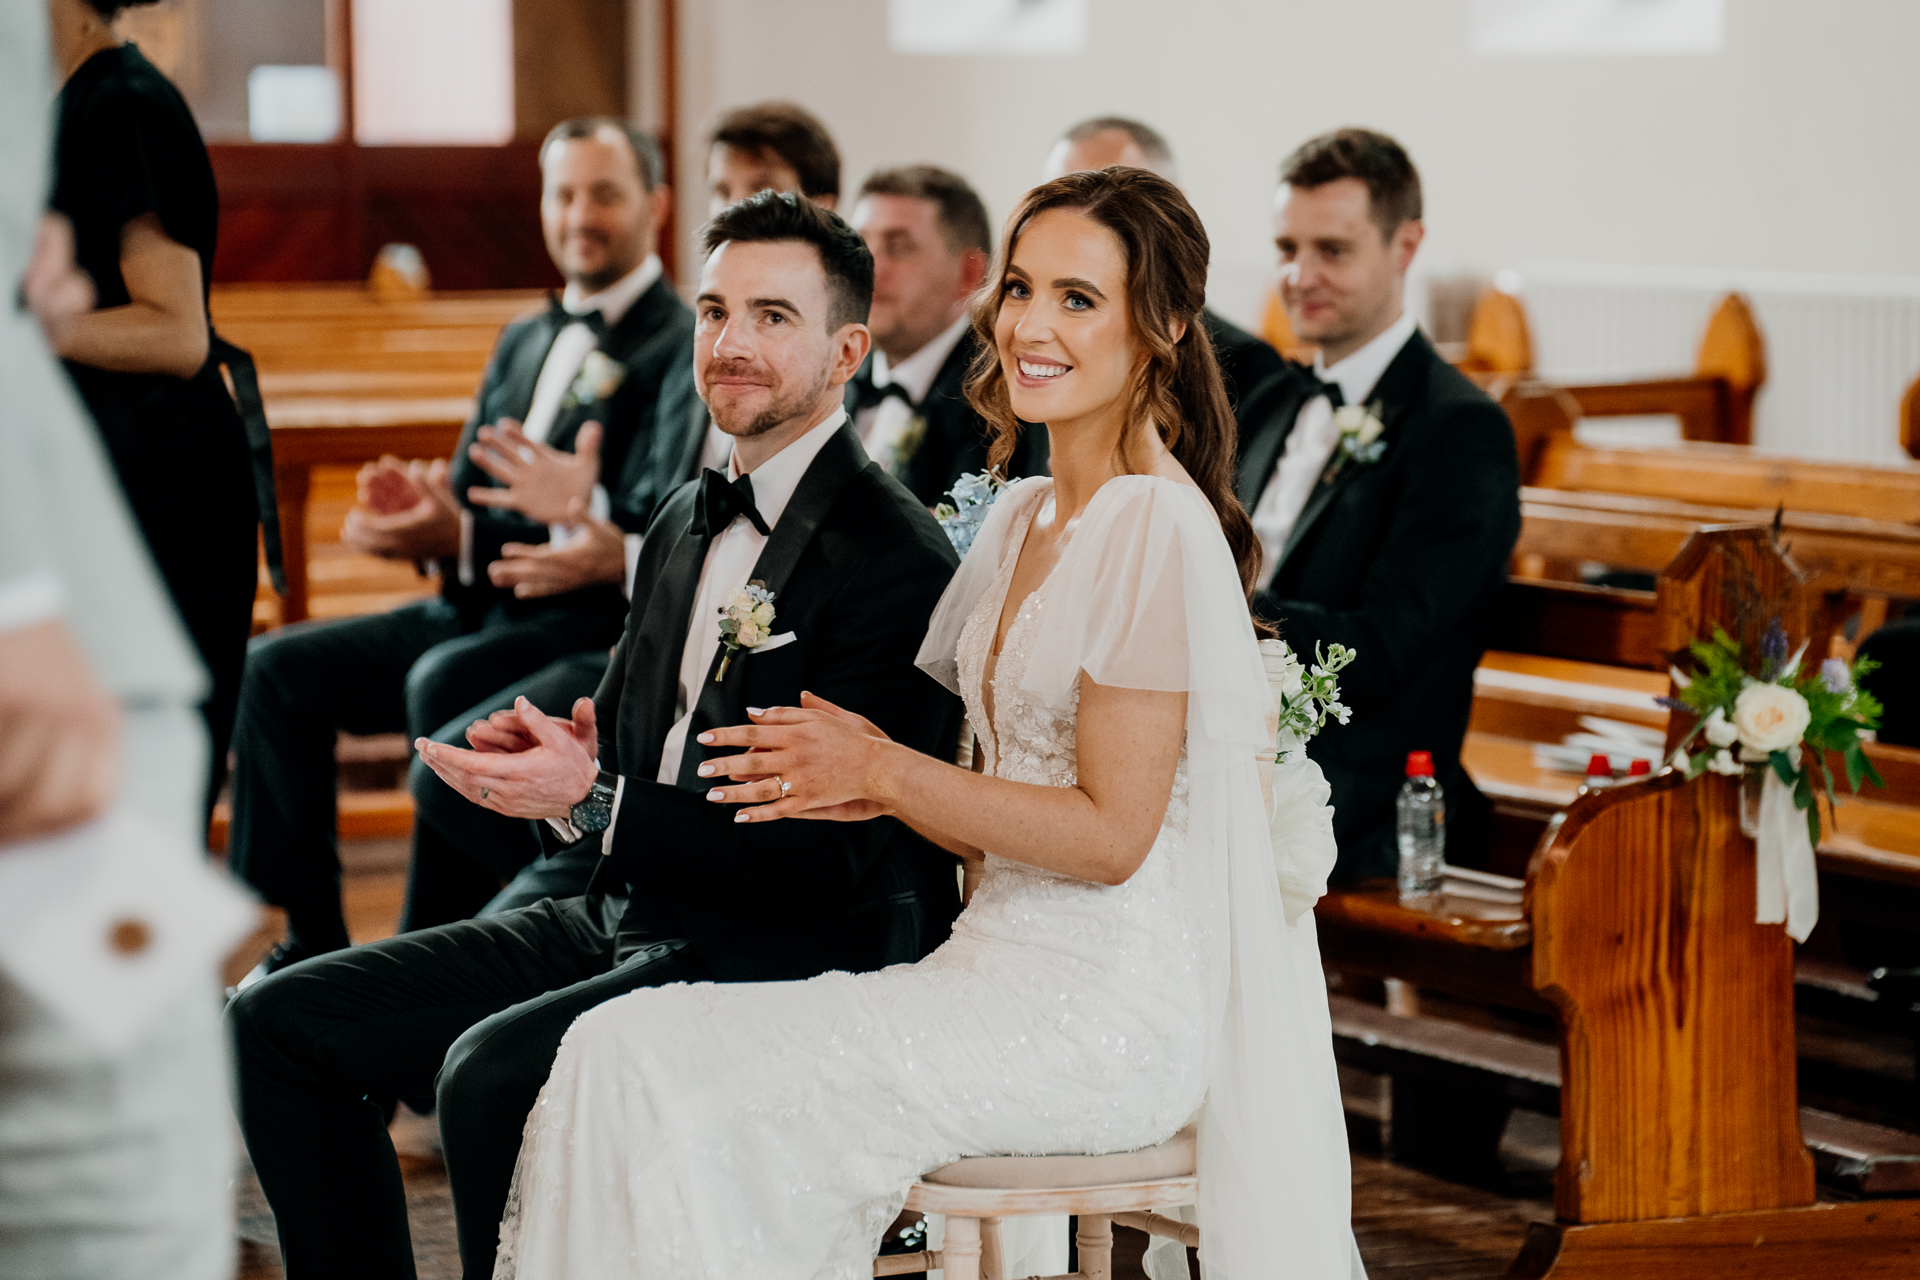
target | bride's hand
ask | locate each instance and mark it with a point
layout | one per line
(826, 755)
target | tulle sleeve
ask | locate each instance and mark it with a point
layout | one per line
(996, 540)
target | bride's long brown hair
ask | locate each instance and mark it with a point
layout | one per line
(1177, 385)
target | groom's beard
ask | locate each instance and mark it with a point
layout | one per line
(786, 405)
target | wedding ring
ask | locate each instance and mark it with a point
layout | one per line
(785, 786)
(484, 793)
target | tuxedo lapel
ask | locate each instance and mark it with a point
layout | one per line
(1397, 393)
(653, 656)
(1262, 452)
(523, 371)
(839, 461)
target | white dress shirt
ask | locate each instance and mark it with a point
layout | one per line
(564, 357)
(1311, 442)
(882, 427)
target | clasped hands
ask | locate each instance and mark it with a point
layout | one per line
(526, 764)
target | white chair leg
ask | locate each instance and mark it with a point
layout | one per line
(960, 1253)
(1095, 1240)
(993, 1258)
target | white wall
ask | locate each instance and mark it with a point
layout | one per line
(1796, 149)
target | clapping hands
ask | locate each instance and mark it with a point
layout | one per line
(541, 482)
(404, 511)
(823, 753)
(525, 764)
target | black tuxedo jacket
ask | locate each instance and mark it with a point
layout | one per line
(656, 330)
(954, 441)
(856, 566)
(1247, 363)
(1401, 560)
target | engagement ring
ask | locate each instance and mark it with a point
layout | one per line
(785, 786)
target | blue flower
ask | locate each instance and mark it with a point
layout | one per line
(1835, 675)
(1773, 650)
(973, 496)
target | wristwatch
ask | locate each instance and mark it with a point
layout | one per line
(595, 813)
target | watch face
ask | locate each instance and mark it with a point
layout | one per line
(592, 814)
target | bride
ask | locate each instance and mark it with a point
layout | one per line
(1137, 950)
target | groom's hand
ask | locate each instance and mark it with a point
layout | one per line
(542, 780)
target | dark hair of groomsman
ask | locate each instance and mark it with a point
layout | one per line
(771, 146)
(931, 243)
(1384, 490)
(1247, 363)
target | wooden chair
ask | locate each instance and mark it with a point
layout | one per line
(1910, 420)
(1716, 401)
(1497, 337)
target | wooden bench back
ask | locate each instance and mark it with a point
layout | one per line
(1676, 1009)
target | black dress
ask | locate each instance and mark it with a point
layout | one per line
(128, 146)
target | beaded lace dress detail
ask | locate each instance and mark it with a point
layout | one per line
(772, 1129)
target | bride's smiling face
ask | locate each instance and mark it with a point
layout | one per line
(1064, 333)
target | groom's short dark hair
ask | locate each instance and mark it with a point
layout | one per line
(780, 215)
(1393, 184)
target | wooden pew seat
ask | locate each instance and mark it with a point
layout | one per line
(1852, 1155)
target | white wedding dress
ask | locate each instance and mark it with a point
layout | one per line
(772, 1129)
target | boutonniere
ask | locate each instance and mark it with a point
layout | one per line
(973, 496)
(745, 622)
(599, 377)
(910, 437)
(1360, 443)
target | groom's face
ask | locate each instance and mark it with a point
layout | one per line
(1340, 274)
(764, 353)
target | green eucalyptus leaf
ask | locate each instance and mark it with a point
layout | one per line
(1783, 765)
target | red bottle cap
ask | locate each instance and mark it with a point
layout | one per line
(1640, 768)
(1598, 766)
(1419, 764)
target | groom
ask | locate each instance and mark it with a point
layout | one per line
(471, 1014)
(1386, 527)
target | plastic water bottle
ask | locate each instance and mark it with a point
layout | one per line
(1599, 773)
(1423, 830)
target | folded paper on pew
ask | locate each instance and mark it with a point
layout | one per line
(108, 923)
(1786, 887)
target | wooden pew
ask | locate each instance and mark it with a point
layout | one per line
(1910, 419)
(1682, 1141)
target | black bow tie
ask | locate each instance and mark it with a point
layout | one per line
(561, 317)
(1319, 386)
(867, 396)
(721, 501)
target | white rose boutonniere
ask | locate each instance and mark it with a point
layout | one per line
(745, 622)
(1360, 443)
(599, 377)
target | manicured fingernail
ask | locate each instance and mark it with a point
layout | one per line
(706, 737)
(716, 794)
(742, 816)
(756, 711)
(705, 771)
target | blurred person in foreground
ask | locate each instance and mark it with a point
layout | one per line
(114, 1154)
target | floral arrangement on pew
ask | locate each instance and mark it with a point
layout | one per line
(1772, 724)
(973, 496)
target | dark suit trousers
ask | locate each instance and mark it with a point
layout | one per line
(462, 853)
(469, 1014)
(410, 670)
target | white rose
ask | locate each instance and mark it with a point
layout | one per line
(1770, 717)
(748, 635)
(1723, 762)
(1291, 684)
(1357, 421)
(1720, 731)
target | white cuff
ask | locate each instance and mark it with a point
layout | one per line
(619, 792)
(565, 830)
(38, 597)
(600, 506)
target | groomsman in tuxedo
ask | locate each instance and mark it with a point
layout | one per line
(527, 526)
(1384, 489)
(931, 245)
(471, 1014)
(1247, 363)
